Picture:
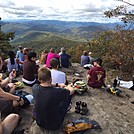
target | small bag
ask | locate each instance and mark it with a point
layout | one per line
(80, 86)
(80, 125)
(27, 97)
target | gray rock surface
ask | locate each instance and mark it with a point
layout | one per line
(114, 114)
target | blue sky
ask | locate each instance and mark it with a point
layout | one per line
(65, 10)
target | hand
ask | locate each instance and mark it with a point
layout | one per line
(12, 75)
(21, 102)
(62, 85)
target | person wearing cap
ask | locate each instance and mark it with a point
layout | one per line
(96, 75)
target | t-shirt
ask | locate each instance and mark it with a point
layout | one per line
(58, 77)
(29, 70)
(20, 56)
(65, 60)
(97, 77)
(47, 102)
(10, 66)
(84, 60)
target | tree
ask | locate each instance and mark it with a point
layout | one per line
(123, 11)
(5, 38)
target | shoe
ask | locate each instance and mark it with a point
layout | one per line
(132, 102)
(84, 109)
(131, 88)
(115, 83)
(78, 107)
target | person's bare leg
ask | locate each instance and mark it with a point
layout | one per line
(9, 123)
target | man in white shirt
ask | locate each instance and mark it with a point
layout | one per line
(58, 77)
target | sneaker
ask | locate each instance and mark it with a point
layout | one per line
(78, 107)
(84, 109)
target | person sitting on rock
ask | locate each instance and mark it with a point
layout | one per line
(20, 56)
(30, 70)
(6, 84)
(85, 58)
(57, 76)
(9, 101)
(11, 62)
(9, 123)
(96, 75)
(43, 57)
(50, 103)
(64, 58)
(51, 55)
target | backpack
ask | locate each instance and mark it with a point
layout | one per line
(79, 86)
(80, 125)
(27, 97)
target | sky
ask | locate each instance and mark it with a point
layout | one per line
(64, 10)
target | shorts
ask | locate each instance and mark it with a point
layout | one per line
(6, 106)
(6, 88)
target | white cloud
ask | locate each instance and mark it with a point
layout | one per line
(74, 10)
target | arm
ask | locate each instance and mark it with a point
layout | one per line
(8, 95)
(5, 82)
(70, 88)
(88, 77)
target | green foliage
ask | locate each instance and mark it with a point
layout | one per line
(4, 42)
(121, 11)
(115, 48)
(38, 42)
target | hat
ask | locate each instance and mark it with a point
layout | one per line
(98, 60)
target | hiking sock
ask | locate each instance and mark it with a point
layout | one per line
(84, 109)
(78, 107)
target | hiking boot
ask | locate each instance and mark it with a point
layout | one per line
(132, 102)
(78, 107)
(84, 109)
(115, 83)
(131, 88)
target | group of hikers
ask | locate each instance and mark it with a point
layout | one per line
(51, 91)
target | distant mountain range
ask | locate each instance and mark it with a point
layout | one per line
(27, 31)
(64, 27)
